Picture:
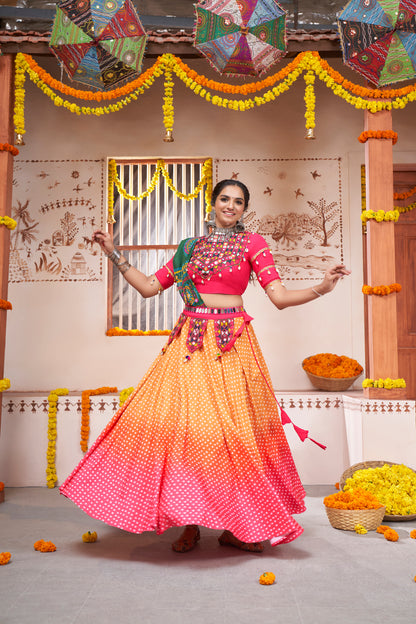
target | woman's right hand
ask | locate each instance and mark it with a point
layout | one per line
(105, 240)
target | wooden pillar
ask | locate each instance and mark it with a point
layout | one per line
(6, 179)
(381, 311)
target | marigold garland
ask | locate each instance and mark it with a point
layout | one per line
(356, 498)
(384, 383)
(405, 194)
(6, 147)
(5, 305)
(85, 412)
(1, 486)
(5, 558)
(380, 215)
(124, 395)
(8, 222)
(378, 134)
(51, 476)
(332, 365)
(310, 99)
(117, 331)
(403, 209)
(4, 384)
(394, 486)
(381, 290)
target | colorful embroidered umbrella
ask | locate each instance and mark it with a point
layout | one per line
(378, 39)
(241, 37)
(99, 42)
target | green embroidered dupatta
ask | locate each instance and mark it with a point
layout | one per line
(186, 287)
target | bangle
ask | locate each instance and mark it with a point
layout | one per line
(317, 293)
(123, 267)
(114, 256)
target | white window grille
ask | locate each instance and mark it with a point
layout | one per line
(148, 232)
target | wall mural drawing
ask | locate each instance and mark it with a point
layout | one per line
(296, 204)
(56, 204)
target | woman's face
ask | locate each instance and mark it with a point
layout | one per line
(229, 206)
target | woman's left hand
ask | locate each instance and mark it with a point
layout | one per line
(331, 278)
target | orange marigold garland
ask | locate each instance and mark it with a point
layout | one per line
(332, 365)
(381, 290)
(117, 331)
(85, 412)
(6, 147)
(5, 305)
(405, 194)
(378, 134)
(352, 499)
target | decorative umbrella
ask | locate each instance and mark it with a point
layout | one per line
(241, 37)
(378, 39)
(100, 42)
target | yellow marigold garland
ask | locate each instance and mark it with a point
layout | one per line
(124, 395)
(384, 383)
(378, 134)
(117, 331)
(381, 290)
(8, 222)
(51, 476)
(85, 412)
(309, 78)
(168, 110)
(380, 215)
(4, 384)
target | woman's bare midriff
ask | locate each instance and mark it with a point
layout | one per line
(221, 301)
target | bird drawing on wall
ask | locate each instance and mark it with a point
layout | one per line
(298, 192)
(315, 174)
(267, 191)
(234, 176)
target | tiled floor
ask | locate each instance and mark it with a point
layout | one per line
(326, 575)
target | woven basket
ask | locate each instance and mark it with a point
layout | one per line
(332, 384)
(373, 464)
(347, 519)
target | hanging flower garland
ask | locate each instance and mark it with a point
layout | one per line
(309, 78)
(168, 110)
(6, 147)
(85, 412)
(117, 331)
(8, 222)
(384, 383)
(403, 209)
(4, 384)
(161, 169)
(5, 305)
(124, 395)
(380, 215)
(381, 290)
(405, 195)
(378, 134)
(51, 476)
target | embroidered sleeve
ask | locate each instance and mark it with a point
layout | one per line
(165, 275)
(262, 261)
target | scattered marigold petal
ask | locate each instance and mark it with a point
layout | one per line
(5, 558)
(391, 535)
(267, 578)
(413, 533)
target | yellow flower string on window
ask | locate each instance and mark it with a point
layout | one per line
(51, 476)
(394, 486)
(85, 412)
(384, 383)
(381, 290)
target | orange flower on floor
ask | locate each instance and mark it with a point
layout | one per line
(413, 534)
(391, 535)
(332, 365)
(382, 528)
(353, 499)
(5, 558)
(43, 546)
(337, 485)
(267, 578)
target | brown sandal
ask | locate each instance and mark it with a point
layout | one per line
(188, 539)
(228, 539)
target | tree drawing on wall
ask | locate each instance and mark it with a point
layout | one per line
(69, 228)
(322, 229)
(26, 226)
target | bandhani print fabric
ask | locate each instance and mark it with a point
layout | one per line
(200, 441)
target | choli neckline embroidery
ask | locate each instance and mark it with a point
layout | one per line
(214, 254)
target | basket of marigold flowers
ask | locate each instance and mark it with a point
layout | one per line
(347, 509)
(328, 371)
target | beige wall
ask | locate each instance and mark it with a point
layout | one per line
(56, 332)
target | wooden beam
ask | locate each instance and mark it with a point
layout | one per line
(381, 311)
(6, 179)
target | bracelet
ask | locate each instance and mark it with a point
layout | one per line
(123, 267)
(114, 256)
(317, 293)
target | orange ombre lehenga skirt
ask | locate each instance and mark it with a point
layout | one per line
(200, 441)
